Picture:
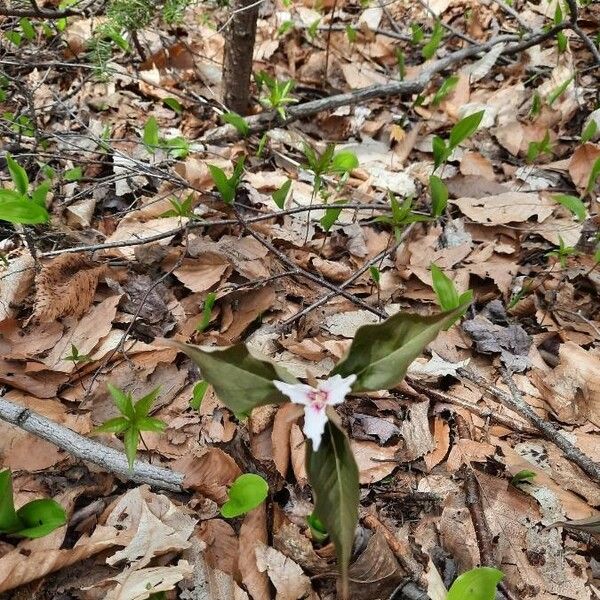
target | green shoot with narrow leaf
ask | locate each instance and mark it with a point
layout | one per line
(246, 493)
(133, 420)
(464, 129)
(207, 307)
(227, 186)
(562, 253)
(277, 96)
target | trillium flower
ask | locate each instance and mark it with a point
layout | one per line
(315, 400)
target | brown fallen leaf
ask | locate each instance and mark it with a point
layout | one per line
(287, 414)
(221, 545)
(288, 578)
(66, 286)
(581, 164)
(374, 461)
(253, 533)
(201, 273)
(17, 280)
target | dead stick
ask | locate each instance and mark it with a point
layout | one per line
(514, 401)
(88, 450)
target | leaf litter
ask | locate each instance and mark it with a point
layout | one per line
(536, 314)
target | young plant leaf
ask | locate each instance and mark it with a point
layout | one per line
(150, 136)
(207, 307)
(17, 208)
(74, 174)
(238, 122)
(380, 354)
(439, 196)
(440, 151)
(589, 131)
(333, 475)
(198, 394)
(447, 86)
(593, 176)
(247, 492)
(9, 521)
(559, 91)
(476, 584)
(432, 45)
(343, 162)
(465, 128)
(241, 381)
(18, 175)
(40, 517)
(280, 196)
(174, 105)
(573, 204)
(331, 215)
(524, 475)
(444, 289)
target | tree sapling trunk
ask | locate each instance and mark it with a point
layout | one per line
(237, 62)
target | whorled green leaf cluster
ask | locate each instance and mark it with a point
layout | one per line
(378, 358)
(34, 519)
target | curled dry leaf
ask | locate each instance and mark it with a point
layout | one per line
(66, 286)
(288, 578)
(581, 164)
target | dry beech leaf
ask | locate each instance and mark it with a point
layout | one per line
(210, 474)
(473, 163)
(581, 163)
(222, 547)
(253, 534)
(441, 436)
(16, 283)
(286, 416)
(66, 286)
(416, 433)
(374, 462)
(203, 272)
(510, 207)
(140, 584)
(288, 578)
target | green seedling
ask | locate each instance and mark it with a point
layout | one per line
(133, 420)
(74, 174)
(555, 94)
(589, 131)
(34, 519)
(447, 86)
(464, 129)
(198, 394)
(207, 307)
(402, 215)
(180, 209)
(562, 253)
(228, 186)
(76, 358)
(277, 96)
(240, 124)
(23, 204)
(594, 173)
(280, 196)
(173, 104)
(328, 220)
(246, 493)
(536, 106)
(536, 149)
(317, 529)
(524, 476)
(572, 204)
(476, 584)
(430, 48)
(439, 196)
(447, 295)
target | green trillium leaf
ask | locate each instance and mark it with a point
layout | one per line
(380, 354)
(333, 475)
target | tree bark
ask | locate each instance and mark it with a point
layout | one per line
(237, 62)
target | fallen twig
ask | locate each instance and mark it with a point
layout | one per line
(514, 401)
(88, 450)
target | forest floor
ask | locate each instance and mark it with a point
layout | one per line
(481, 456)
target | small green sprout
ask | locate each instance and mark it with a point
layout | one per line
(133, 420)
(247, 492)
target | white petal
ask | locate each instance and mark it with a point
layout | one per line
(337, 387)
(297, 392)
(314, 424)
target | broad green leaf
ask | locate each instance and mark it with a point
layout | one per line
(333, 475)
(122, 401)
(143, 405)
(279, 196)
(240, 380)
(330, 217)
(444, 289)
(447, 86)
(433, 44)
(27, 28)
(116, 425)
(207, 307)
(174, 105)
(593, 176)
(247, 492)
(41, 191)
(238, 122)
(131, 440)
(380, 354)
(439, 196)
(559, 91)
(74, 174)
(440, 151)
(40, 517)
(344, 162)
(18, 175)
(589, 131)
(476, 584)
(17, 208)
(150, 136)
(150, 424)
(226, 190)
(9, 521)
(465, 128)
(573, 204)
(524, 475)
(198, 394)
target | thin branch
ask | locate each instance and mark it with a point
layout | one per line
(89, 450)
(572, 4)
(515, 402)
(36, 11)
